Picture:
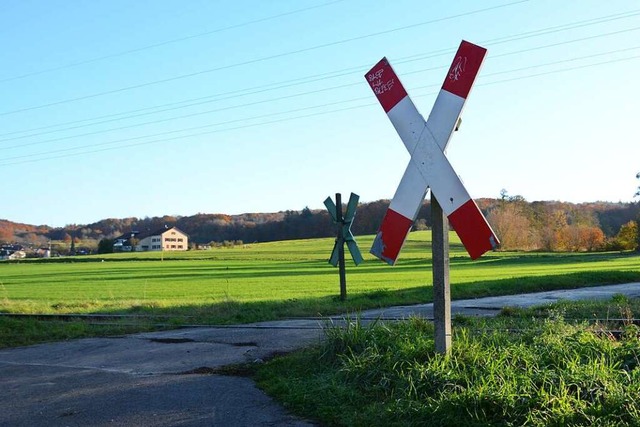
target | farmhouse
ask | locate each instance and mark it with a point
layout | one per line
(164, 239)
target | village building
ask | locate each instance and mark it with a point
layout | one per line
(165, 239)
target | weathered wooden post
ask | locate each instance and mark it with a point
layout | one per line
(429, 169)
(440, 272)
(341, 268)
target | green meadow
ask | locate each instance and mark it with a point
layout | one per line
(283, 279)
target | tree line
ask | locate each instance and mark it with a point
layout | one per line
(520, 225)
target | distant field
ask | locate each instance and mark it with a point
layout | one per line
(291, 278)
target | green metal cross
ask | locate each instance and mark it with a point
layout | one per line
(344, 236)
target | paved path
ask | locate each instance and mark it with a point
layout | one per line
(164, 378)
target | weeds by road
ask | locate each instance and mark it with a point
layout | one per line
(527, 367)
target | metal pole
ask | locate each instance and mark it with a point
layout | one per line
(343, 273)
(441, 289)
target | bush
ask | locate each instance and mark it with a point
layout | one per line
(626, 239)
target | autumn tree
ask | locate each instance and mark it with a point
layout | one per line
(512, 227)
(592, 238)
(627, 237)
(6, 235)
(511, 221)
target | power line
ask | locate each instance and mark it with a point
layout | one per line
(578, 67)
(163, 120)
(335, 74)
(613, 33)
(193, 135)
(370, 104)
(257, 60)
(176, 118)
(562, 61)
(262, 116)
(201, 100)
(167, 42)
(312, 92)
(540, 32)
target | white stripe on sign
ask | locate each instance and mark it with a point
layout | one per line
(409, 195)
(444, 116)
(408, 122)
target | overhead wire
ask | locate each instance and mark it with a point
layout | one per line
(369, 104)
(167, 42)
(250, 104)
(305, 80)
(258, 60)
(328, 75)
(254, 103)
(200, 100)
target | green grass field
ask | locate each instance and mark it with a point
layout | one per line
(291, 278)
(287, 272)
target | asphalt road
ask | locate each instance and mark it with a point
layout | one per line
(166, 378)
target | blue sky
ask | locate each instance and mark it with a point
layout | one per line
(145, 108)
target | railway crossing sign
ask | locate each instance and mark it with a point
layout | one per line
(429, 167)
(344, 236)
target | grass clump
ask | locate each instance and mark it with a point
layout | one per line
(550, 372)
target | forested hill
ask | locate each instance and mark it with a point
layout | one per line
(519, 224)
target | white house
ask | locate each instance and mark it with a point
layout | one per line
(165, 239)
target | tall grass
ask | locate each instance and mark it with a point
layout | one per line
(550, 373)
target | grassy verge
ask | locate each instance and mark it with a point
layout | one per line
(522, 369)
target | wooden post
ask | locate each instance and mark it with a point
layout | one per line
(441, 289)
(343, 272)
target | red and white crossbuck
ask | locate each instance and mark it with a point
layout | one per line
(429, 168)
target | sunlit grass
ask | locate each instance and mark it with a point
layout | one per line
(269, 273)
(546, 372)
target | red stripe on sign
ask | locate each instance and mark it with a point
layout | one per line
(385, 84)
(391, 236)
(464, 69)
(473, 229)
